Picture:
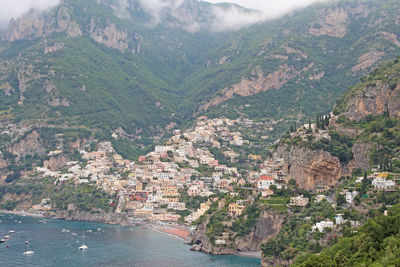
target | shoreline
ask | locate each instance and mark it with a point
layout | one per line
(178, 231)
(23, 213)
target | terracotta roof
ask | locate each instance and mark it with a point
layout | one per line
(266, 178)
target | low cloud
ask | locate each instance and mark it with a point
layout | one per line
(223, 17)
(14, 8)
(234, 18)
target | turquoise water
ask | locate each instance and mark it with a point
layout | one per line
(111, 246)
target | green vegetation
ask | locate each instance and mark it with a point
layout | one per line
(338, 145)
(377, 243)
(247, 221)
(388, 73)
(85, 197)
(295, 234)
(175, 71)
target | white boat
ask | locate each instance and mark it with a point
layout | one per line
(28, 251)
(11, 231)
(2, 240)
(83, 247)
(7, 237)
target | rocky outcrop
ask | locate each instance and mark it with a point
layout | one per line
(55, 163)
(59, 102)
(110, 36)
(38, 25)
(367, 60)
(332, 22)
(257, 83)
(268, 225)
(29, 145)
(53, 48)
(91, 216)
(377, 99)
(362, 152)
(201, 242)
(312, 168)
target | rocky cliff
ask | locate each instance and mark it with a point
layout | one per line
(28, 145)
(311, 168)
(100, 216)
(375, 99)
(268, 225)
(37, 25)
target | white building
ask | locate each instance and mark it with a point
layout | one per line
(265, 182)
(321, 226)
(176, 206)
(350, 196)
(383, 184)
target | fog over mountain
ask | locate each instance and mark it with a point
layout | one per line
(226, 18)
(14, 9)
(269, 9)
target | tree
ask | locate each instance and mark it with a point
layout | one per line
(340, 200)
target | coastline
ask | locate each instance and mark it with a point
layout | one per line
(23, 213)
(181, 232)
(178, 231)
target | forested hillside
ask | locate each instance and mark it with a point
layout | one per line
(114, 68)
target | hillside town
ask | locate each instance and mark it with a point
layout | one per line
(162, 184)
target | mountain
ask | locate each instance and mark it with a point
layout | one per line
(321, 162)
(362, 132)
(127, 68)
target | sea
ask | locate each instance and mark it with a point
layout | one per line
(56, 243)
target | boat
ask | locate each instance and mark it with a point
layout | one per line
(83, 246)
(11, 231)
(3, 240)
(7, 237)
(28, 251)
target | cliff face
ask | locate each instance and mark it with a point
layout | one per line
(377, 99)
(38, 25)
(311, 168)
(377, 95)
(259, 82)
(30, 145)
(268, 225)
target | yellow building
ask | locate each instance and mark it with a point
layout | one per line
(235, 209)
